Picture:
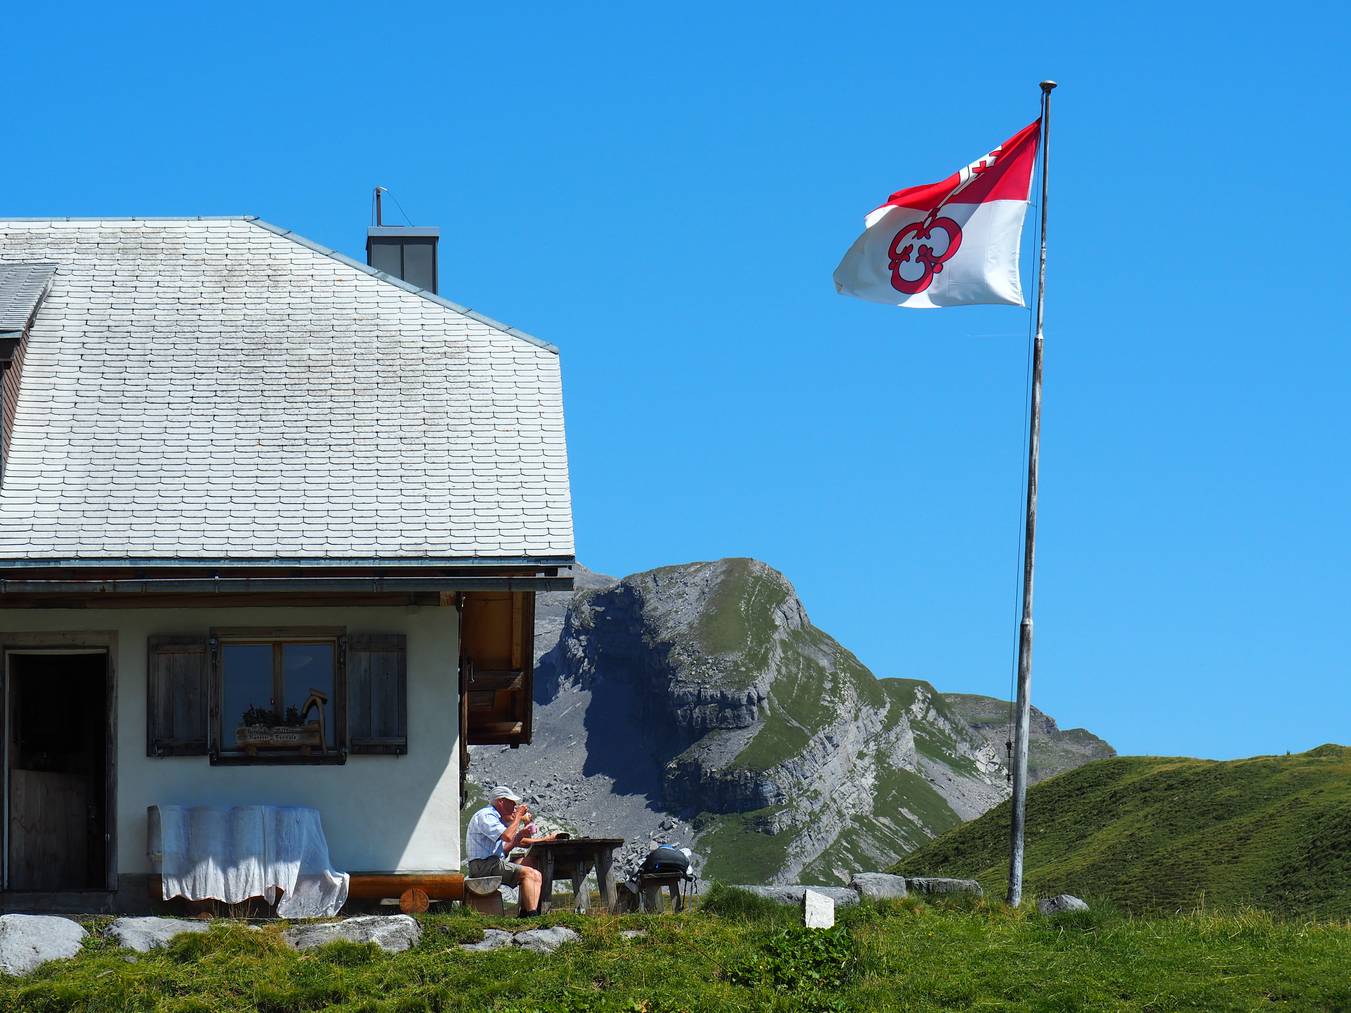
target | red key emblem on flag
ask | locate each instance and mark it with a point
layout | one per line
(913, 252)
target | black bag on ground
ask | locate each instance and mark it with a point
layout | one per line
(666, 858)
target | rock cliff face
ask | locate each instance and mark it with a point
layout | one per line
(1051, 750)
(699, 704)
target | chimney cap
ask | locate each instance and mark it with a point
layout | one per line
(403, 231)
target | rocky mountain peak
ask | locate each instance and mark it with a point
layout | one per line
(699, 703)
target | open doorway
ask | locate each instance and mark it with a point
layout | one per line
(56, 749)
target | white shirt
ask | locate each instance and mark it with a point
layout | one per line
(483, 838)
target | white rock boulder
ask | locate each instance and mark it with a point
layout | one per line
(818, 910)
(392, 933)
(29, 941)
(1060, 903)
(146, 934)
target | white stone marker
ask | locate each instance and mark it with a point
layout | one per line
(818, 910)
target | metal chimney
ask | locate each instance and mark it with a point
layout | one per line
(407, 252)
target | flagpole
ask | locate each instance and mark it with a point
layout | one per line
(1015, 896)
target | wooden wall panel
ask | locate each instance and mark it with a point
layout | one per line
(497, 645)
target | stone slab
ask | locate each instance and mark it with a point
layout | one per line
(878, 885)
(791, 893)
(392, 933)
(545, 940)
(940, 885)
(818, 910)
(146, 934)
(29, 941)
(493, 939)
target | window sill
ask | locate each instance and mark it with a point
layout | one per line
(278, 760)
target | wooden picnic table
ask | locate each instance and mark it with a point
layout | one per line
(575, 857)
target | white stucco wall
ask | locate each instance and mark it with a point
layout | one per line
(380, 813)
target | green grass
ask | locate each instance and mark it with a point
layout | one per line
(736, 953)
(1161, 834)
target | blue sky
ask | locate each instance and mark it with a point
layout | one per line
(663, 192)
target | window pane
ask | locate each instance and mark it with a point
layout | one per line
(307, 667)
(246, 671)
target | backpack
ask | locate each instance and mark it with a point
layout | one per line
(666, 858)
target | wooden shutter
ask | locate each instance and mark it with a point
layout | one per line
(497, 645)
(176, 696)
(377, 692)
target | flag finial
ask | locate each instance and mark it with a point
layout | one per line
(1047, 86)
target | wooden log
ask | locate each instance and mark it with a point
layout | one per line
(486, 904)
(384, 885)
(414, 901)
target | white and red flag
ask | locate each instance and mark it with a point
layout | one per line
(952, 243)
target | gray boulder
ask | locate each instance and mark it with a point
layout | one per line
(29, 941)
(493, 939)
(792, 893)
(145, 934)
(545, 940)
(877, 885)
(392, 933)
(939, 885)
(1060, 903)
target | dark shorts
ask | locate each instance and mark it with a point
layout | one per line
(494, 866)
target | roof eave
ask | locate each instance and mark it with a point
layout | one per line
(286, 562)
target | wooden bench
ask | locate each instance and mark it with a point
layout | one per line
(414, 890)
(649, 890)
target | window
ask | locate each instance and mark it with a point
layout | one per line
(279, 696)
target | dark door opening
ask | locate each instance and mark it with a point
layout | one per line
(57, 751)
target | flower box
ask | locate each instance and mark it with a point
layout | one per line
(303, 737)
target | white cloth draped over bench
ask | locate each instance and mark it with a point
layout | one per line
(232, 854)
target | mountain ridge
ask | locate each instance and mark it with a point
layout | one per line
(698, 702)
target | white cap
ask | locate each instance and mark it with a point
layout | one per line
(502, 791)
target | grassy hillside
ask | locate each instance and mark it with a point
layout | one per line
(1158, 833)
(735, 953)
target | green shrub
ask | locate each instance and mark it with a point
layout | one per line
(798, 960)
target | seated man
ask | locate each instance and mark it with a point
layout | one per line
(492, 832)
